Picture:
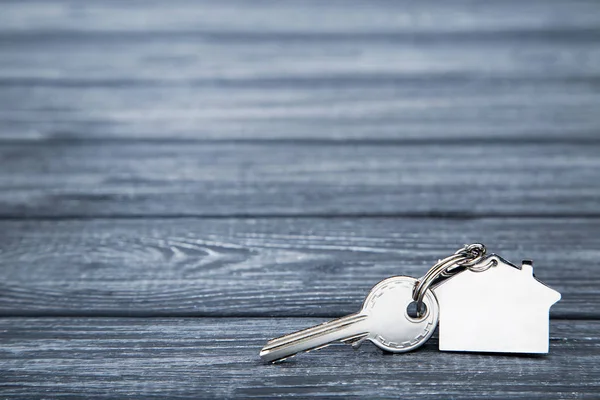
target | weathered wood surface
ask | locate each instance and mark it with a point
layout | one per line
(192, 358)
(268, 267)
(165, 179)
(310, 69)
(275, 159)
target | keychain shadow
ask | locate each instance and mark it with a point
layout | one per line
(432, 346)
(368, 349)
(497, 355)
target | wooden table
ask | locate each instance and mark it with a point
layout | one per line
(182, 180)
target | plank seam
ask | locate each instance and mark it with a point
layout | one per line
(149, 315)
(67, 140)
(449, 215)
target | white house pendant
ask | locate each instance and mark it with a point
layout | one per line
(501, 308)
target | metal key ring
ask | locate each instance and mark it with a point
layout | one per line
(467, 257)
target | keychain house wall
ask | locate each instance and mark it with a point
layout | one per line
(502, 309)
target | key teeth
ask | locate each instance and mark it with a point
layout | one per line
(355, 341)
(279, 360)
(358, 343)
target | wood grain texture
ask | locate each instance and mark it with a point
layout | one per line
(200, 358)
(311, 69)
(276, 159)
(58, 179)
(268, 267)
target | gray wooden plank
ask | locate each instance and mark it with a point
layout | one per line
(192, 358)
(361, 69)
(268, 267)
(292, 17)
(90, 179)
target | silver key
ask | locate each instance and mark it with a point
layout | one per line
(383, 319)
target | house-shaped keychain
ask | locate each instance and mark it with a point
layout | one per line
(502, 309)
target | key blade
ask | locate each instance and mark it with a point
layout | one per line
(350, 328)
(324, 327)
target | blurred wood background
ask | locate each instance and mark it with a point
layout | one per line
(181, 181)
